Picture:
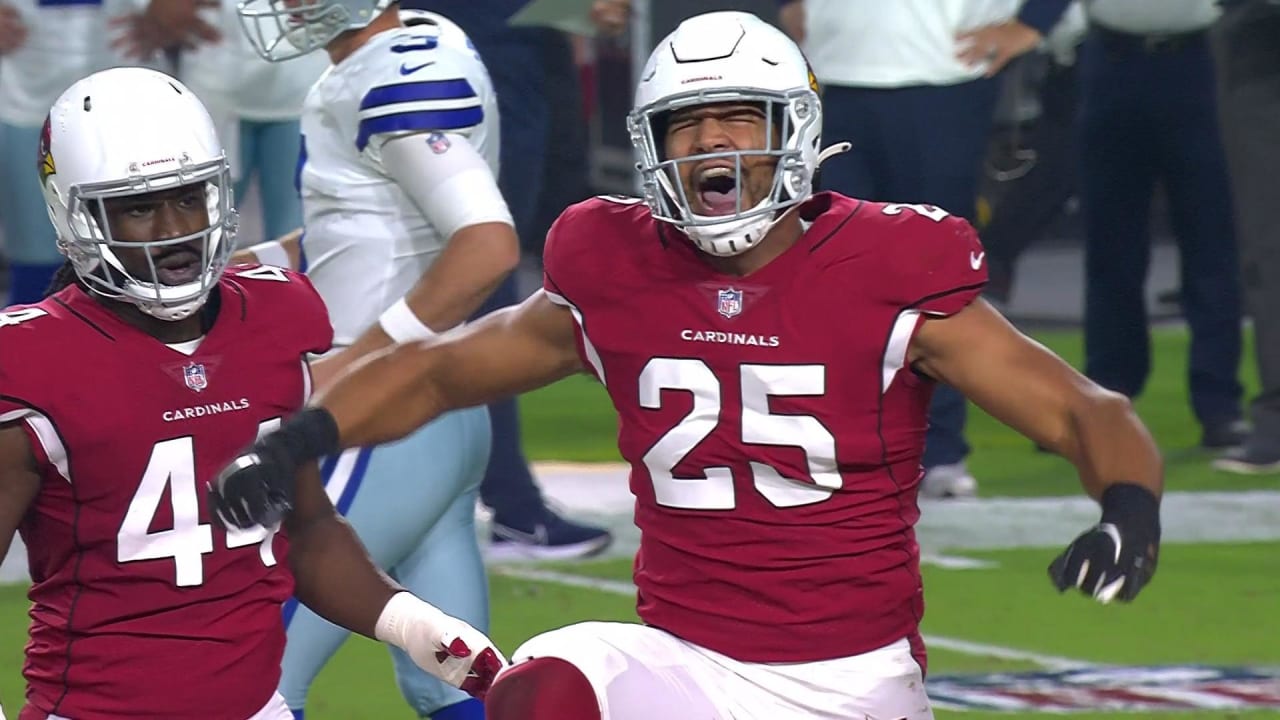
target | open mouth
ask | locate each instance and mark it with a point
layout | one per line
(717, 190)
(178, 266)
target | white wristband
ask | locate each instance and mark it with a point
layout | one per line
(271, 253)
(403, 612)
(441, 644)
(401, 325)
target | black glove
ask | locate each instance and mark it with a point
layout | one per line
(257, 488)
(1117, 557)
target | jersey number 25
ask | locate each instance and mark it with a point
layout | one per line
(714, 491)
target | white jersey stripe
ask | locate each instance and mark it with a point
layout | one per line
(895, 352)
(593, 356)
(420, 106)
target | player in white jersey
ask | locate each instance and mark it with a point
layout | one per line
(397, 174)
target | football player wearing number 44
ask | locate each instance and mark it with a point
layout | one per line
(775, 452)
(121, 395)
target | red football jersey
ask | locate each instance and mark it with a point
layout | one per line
(773, 434)
(141, 607)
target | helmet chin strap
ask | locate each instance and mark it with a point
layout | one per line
(140, 295)
(170, 313)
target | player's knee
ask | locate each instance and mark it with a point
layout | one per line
(543, 688)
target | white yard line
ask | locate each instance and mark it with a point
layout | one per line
(616, 587)
(1001, 652)
(599, 493)
(956, 562)
(613, 587)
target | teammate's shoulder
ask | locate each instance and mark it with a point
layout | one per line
(281, 303)
(606, 209)
(912, 221)
(847, 225)
(269, 283)
(23, 324)
(596, 237)
(34, 344)
(918, 252)
(28, 319)
(258, 271)
(28, 334)
(582, 221)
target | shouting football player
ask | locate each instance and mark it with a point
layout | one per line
(771, 353)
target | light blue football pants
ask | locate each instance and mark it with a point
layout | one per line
(412, 503)
(269, 150)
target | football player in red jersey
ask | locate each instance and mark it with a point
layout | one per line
(771, 353)
(121, 395)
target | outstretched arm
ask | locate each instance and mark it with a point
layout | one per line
(1033, 391)
(389, 394)
(392, 392)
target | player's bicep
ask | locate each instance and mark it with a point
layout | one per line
(513, 350)
(19, 481)
(389, 393)
(1014, 378)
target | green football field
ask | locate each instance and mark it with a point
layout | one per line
(991, 619)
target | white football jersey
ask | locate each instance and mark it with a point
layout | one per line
(365, 241)
(898, 43)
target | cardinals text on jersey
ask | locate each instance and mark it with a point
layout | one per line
(773, 431)
(130, 578)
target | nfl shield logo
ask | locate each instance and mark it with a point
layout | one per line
(729, 302)
(438, 143)
(195, 377)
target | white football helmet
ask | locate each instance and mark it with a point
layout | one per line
(128, 131)
(285, 29)
(722, 57)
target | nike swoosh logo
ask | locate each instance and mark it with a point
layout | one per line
(408, 70)
(975, 259)
(539, 536)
